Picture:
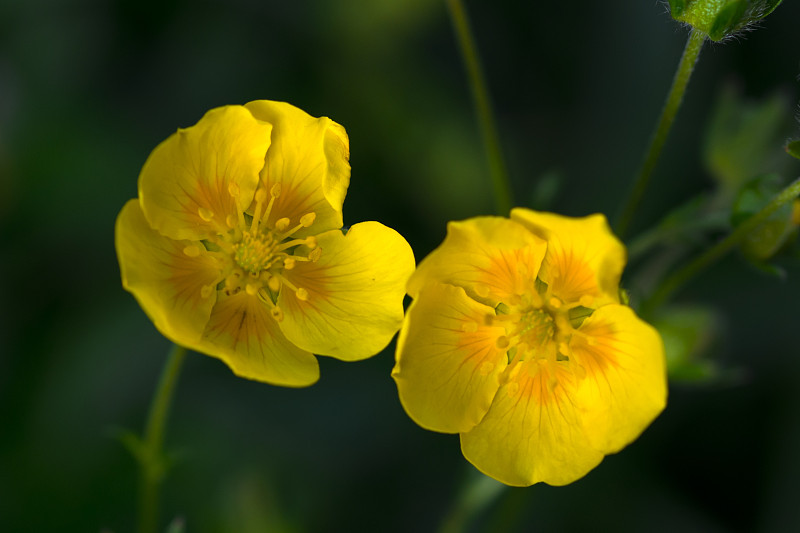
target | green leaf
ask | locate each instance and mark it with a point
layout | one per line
(743, 138)
(688, 334)
(726, 20)
(768, 238)
(793, 148)
(130, 441)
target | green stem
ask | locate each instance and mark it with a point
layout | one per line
(152, 460)
(478, 494)
(483, 107)
(690, 54)
(680, 277)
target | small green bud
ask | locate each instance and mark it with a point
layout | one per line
(721, 18)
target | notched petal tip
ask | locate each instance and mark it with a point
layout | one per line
(199, 177)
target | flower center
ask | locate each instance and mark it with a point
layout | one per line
(538, 325)
(257, 255)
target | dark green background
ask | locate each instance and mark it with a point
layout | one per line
(88, 88)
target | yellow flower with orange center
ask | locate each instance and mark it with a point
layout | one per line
(234, 247)
(517, 340)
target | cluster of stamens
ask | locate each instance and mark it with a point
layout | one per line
(254, 256)
(539, 326)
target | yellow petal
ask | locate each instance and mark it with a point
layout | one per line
(244, 335)
(625, 386)
(448, 360)
(532, 432)
(353, 304)
(491, 258)
(187, 185)
(583, 257)
(309, 158)
(167, 281)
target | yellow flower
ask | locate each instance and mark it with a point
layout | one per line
(517, 340)
(234, 247)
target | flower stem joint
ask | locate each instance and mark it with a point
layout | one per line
(720, 19)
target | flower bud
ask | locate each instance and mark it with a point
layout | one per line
(720, 18)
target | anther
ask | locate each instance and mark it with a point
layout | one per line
(586, 300)
(205, 214)
(231, 221)
(282, 223)
(308, 219)
(277, 313)
(261, 196)
(302, 294)
(289, 263)
(274, 284)
(233, 189)
(311, 242)
(554, 302)
(192, 250)
(252, 289)
(502, 342)
(275, 190)
(315, 254)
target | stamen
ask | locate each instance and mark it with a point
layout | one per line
(274, 284)
(315, 254)
(205, 214)
(308, 219)
(311, 242)
(281, 224)
(286, 282)
(274, 192)
(261, 196)
(252, 289)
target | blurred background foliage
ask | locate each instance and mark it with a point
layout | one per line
(88, 88)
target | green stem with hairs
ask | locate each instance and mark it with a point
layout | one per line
(690, 54)
(483, 107)
(151, 458)
(681, 276)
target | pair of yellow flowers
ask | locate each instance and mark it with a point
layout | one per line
(516, 338)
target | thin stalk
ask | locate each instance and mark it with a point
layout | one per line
(688, 60)
(152, 460)
(681, 276)
(483, 107)
(475, 498)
